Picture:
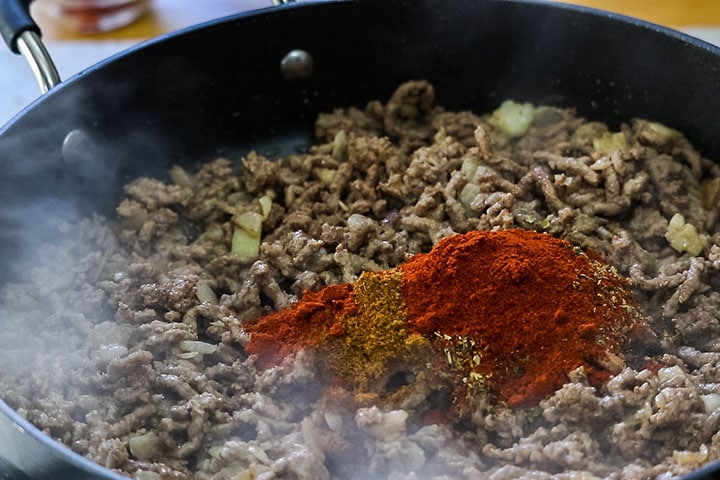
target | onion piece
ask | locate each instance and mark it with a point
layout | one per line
(684, 237)
(265, 203)
(513, 118)
(710, 193)
(669, 373)
(197, 346)
(711, 402)
(689, 458)
(180, 176)
(334, 421)
(146, 475)
(205, 293)
(468, 168)
(251, 222)
(245, 244)
(135, 220)
(653, 133)
(188, 355)
(610, 142)
(144, 447)
(357, 220)
(107, 353)
(468, 194)
(339, 147)
(325, 175)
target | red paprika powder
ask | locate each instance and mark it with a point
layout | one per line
(536, 307)
(507, 313)
(305, 325)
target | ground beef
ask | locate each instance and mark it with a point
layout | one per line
(125, 340)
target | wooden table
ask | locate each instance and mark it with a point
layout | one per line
(170, 15)
(671, 13)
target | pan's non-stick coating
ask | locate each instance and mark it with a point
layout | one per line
(218, 90)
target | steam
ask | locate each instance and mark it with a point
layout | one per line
(74, 357)
(58, 334)
(86, 346)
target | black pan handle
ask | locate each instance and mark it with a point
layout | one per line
(22, 35)
(15, 20)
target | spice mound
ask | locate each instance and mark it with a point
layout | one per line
(503, 315)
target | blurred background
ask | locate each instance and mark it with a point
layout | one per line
(65, 24)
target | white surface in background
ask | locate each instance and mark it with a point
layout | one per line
(18, 87)
(709, 34)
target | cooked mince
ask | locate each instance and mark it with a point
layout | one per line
(127, 339)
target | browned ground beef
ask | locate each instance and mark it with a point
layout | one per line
(107, 348)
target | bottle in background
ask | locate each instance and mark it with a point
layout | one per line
(94, 16)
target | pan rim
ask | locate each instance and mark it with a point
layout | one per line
(103, 472)
(157, 42)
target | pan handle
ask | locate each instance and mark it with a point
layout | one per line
(22, 35)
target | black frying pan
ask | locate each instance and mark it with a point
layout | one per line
(218, 90)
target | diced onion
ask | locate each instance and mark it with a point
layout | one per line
(271, 194)
(669, 373)
(188, 355)
(205, 293)
(710, 193)
(356, 221)
(640, 416)
(144, 447)
(311, 436)
(325, 175)
(334, 421)
(245, 244)
(601, 163)
(512, 118)
(339, 146)
(690, 458)
(146, 475)
(610, 142)
(587, 132)
(547, 116)
(654, 133)
(468, 168)
(135, 220)
(107, 334)
(711, 402)
(468, 194)
(395, 421)
(197, 346)
(259, 454)
(684, 237)
(251, 222)
(265, 203)
(180, 176)
(107, 353)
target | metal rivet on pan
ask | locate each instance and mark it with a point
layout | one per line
(82, 155)
(296, 65)
(76, 147)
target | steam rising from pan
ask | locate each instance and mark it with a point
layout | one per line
(414, 25)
